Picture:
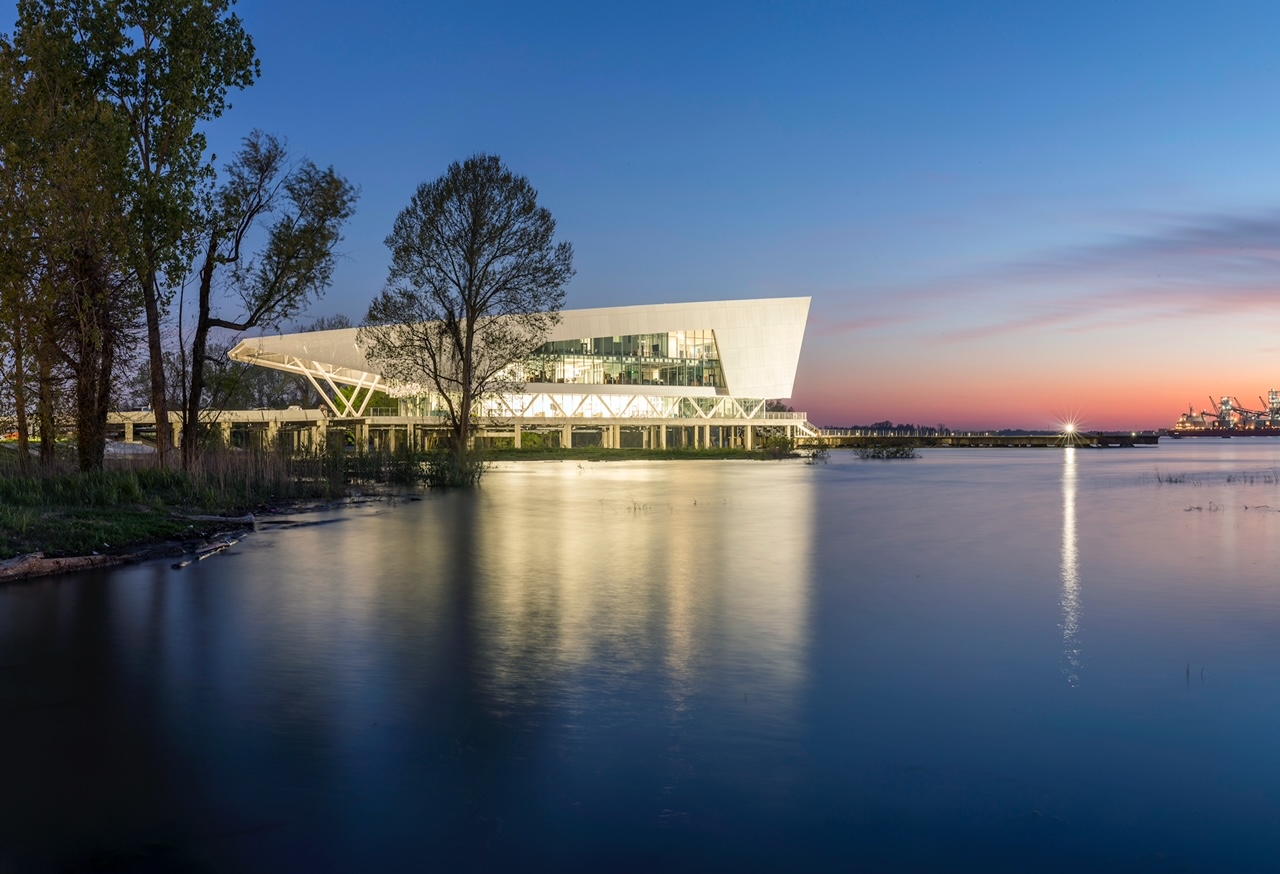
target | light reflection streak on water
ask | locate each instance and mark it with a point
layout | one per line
(635, 570)
(1070, 570)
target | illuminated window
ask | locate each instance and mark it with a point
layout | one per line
(680, 358)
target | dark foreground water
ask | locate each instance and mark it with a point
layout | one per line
(1024, 660)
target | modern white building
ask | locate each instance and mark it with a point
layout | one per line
(682, 374)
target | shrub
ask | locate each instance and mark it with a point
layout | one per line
(446, 470)
(886, 451)
(777, 447)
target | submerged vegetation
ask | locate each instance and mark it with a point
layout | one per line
(1266, 477)
(887, 450)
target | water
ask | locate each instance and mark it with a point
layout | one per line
(1043, 660)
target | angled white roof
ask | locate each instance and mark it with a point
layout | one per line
(759, 341)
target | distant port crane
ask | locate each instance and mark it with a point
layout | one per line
(1227, 414)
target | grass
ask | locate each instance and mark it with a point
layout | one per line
(63, 512)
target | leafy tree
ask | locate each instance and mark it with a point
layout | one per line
(166, 66)
(16, 248)
(297, 260)
(66, 202)
(232, 385)
(337, 322)
(476, 283)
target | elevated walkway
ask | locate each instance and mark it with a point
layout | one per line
(714, 425)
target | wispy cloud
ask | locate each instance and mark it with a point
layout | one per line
(828, 328)
(1180, 269)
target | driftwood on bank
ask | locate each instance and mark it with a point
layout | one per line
(36, 564)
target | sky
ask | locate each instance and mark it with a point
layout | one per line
(1006, 214)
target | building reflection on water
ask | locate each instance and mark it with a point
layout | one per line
(652, 617)
(614, 576)
(1070, 570)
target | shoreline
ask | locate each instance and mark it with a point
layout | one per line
(34, 565)
(212, 536)
(40, 543)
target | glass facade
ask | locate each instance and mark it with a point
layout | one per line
(680, 358)
(596, 406)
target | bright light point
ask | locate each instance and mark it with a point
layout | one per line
(1069, 428)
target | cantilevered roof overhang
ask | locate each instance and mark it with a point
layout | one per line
(758, 340)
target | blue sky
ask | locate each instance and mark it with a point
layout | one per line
(1004, 212)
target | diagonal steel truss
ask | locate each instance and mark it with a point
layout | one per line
(363, 384)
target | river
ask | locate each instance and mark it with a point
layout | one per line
(1050, 660)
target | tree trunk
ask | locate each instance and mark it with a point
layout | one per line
(159, 402)
(44, 410)
(95, 358)
(191, 437)
(20, 393)
(93, 449)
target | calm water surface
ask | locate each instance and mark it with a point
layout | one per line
(1052, 660)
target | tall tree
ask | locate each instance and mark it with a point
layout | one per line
(295, 265)
(17, 238)
(65, 155)
(476, 283)
(166, 65)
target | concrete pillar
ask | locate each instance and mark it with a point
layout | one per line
(515, 436)
(128, 432)
(615, 436)
(706, 436)
(750, 436)
(176, 428)
(662, 434)
(566, 437)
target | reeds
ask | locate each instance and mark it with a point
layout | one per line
(61, 511)
(1166, 479)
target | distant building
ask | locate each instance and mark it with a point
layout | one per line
(601, 371)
